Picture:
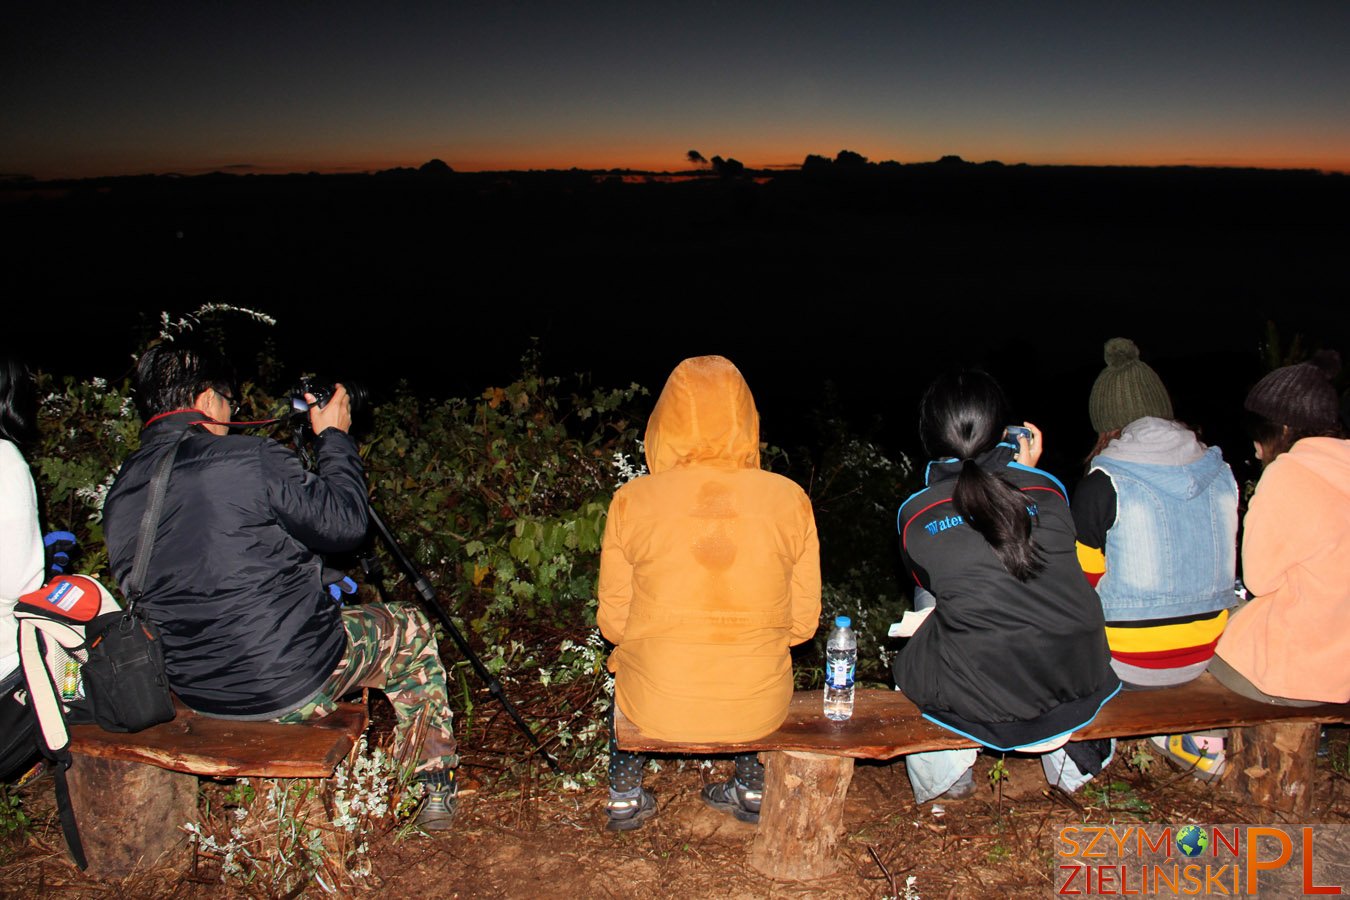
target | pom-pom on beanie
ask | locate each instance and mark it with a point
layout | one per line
(1127, 389)
(1300, 396)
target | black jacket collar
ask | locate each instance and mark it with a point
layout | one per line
(169, 425)
(991, 460)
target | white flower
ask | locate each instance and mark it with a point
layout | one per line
(169, 329)
(95, 495)
(625, 468)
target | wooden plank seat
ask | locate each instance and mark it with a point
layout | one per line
(809, 760)
(132, 793)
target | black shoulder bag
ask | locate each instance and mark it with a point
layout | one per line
(124, 675)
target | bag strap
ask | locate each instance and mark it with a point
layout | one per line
(69, 827)
(41, 690)
(154, 508)
(55, 741)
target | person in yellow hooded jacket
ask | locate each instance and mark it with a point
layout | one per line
(709, 572)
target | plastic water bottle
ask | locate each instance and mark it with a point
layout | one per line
(841, 658)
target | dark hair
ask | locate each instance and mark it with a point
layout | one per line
(1276, 438)
(16, 400)
(1103, 439)
(962, 415)
(172, 374)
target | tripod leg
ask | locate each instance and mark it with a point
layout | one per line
(428, 595)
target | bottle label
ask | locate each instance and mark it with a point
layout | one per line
(841, 673)
(70, 681)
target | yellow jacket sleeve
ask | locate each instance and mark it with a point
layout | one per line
(806, 583)
(615, 588)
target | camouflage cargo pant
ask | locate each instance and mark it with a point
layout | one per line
(391, 647)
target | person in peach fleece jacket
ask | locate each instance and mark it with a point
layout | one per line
(709, 572)
(1290, 643)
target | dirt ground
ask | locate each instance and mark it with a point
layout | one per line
(517, 839)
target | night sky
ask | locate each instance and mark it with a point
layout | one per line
(825, 299)
(104, 89)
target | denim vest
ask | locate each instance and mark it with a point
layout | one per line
(1173, 548)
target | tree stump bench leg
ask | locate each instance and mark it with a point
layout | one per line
(802, 816)
(129, 814)
(1273, 765)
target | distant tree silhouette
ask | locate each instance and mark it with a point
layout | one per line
(951, 160)
(696, 158)
(728, 168)
(850, 160)
(434, 167)
(815, 164)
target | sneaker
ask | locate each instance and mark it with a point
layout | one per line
(1182, 751)
(441, 800)
(628, 815)
(728, 796)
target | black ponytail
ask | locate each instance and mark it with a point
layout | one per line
(962, 415)
(998, 511)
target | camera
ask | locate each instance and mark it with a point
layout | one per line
(321, 389)
(1016, 431)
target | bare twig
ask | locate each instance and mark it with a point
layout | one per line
(890, 879)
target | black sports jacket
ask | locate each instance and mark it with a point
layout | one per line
(235, 581)
(1000, 661)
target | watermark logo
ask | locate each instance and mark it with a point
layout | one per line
(1192, 840)
(1202, 860)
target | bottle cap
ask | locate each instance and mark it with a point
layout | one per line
(843, 622)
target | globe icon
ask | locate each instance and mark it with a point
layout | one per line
(1192, 840)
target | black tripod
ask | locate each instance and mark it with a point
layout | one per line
(428, 594)
(375, 575)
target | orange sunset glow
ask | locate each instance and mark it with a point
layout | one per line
(535, 87)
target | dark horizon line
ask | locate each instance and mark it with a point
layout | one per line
(13, 179)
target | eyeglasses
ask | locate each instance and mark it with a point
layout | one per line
(229, 401)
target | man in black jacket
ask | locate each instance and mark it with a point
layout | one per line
(235, 579)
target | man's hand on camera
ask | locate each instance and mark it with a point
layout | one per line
(336, 413)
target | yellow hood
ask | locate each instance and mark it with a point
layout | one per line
(705, 414)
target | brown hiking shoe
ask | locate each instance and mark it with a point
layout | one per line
(441, 801)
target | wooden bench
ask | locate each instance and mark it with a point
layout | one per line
(132, 793)
(809, 760)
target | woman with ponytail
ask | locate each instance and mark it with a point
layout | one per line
(1014, 654)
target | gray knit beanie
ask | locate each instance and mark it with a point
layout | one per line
(1300, 396)
(1127, 389)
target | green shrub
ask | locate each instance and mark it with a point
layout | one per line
(85, 430)
(501, 500)
(856, 489)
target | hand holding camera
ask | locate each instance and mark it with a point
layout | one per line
(1029, 443)
(335, 413)
(327, 403)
